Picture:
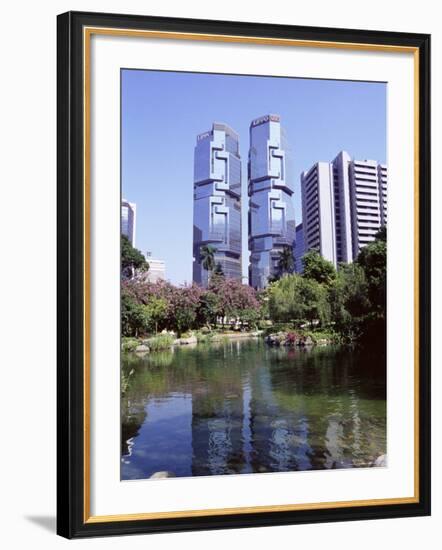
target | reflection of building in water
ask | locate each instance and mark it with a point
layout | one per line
(217, 426)
(240, 427)
(279, 433)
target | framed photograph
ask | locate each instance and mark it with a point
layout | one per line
(243, 274)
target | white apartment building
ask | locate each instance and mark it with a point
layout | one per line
(318, 210)
(157, 270)
(344, 204)
(365, 201)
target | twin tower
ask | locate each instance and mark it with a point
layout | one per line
(217, 201)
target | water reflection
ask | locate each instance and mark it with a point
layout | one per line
(242, 407)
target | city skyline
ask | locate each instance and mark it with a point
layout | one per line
(156, 166)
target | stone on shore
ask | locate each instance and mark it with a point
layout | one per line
(381, 461)
(142, 348)
(186, 341)
(162, 475)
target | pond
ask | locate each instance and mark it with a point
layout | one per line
(242, 407)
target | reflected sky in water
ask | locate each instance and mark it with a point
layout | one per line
(242, 407)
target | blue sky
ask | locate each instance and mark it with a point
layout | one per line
(162, 112)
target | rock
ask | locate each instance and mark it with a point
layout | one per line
(142, 349)
(185, 341)
(272, 340)
(308, 341)
(381, 461)
(305, 341)
(162, 475)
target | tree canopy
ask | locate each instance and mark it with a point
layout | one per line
(297, 299)
(131, 259)
(286, 262)
(318, 268)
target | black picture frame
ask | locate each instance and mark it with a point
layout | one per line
(71, 520)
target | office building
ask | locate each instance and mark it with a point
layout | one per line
(270, 189)
(157, 270)
(367, 202)
(318, 210)
(128, 220)
(344, 204)
(217, 203)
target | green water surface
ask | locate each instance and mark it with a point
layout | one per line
(243, 407)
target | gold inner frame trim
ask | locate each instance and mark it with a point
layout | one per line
(87, 33)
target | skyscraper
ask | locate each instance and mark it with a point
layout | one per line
(344, 204)
(128, 220)
(270, 188)
(318, 210)
(217, 203)
(367, 201)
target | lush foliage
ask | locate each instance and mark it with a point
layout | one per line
(286, 262)
(350, 301)
(152, 307)
(207, 253)
(160, 342)
(317, 268)
(299, 300)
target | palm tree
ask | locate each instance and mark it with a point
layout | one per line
(218, 270)
(207, 254)
(286, 263)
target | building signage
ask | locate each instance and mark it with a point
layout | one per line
(266, 118)
(202, 136)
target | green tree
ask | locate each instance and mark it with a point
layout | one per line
(373, 260)
(286, 262)
(297, 299)
(349, 303)
(133, 316)
(207, 254)
(132, 259)
(208, 308)
(155, 312)
(318, 268)
(218, 270)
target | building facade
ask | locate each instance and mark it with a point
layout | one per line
(217, 203)
(367, 202)
(128, 220)
(318, 210)
(270, 189)
(344, 204)
(299, 248)
(157, 269)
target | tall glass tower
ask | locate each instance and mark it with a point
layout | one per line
(128, 220)
(271, 212)
(217, 203)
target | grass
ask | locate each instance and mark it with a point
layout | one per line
(128, 344)
(161, 341)
(203, 337)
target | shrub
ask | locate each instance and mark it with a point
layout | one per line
(128, 344)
